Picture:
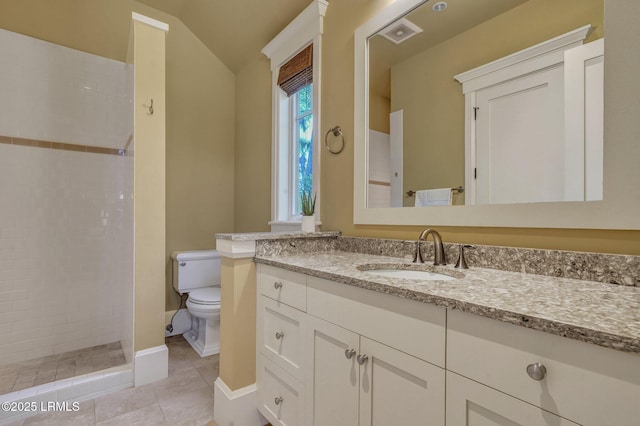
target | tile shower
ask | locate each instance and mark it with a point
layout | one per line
(66, 220)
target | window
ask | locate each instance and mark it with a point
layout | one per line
(302, 146)
(295, 56)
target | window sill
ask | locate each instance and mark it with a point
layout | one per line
(289, 225)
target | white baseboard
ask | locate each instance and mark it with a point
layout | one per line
(236, 408)
(150, 365)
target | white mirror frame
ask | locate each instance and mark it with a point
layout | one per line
(620, 208)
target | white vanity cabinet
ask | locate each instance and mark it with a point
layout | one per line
(345, 355)
(366, 358)
(335, 354)
(581, 382)
(280, 328)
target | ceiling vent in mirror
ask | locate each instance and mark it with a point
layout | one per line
(439, 7)
(400, 31)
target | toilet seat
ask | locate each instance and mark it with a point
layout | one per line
(205, 296)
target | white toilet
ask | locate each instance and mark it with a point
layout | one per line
(197, 273)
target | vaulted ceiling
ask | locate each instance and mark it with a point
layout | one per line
(234, 30)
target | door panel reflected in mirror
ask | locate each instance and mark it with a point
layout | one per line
(503, 143)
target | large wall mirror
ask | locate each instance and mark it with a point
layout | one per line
(475, 113)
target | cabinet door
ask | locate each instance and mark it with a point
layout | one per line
(332, 374)
(470, 403)
(398, 389)
(519, 127)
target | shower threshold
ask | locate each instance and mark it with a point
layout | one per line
(39, 371)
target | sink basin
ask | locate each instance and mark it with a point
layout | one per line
(411, 275)
(409, 271)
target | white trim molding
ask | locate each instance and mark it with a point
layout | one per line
(150, 21)
(621, 196)
(236, 408)
(150, 365)
(236, 249)
(542, 55)
(299, 33)
(304, 30)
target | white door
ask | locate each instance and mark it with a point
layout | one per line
(398, 389)
(332, 375)
(396, 142)
(520, 154)
(379, 183)
(470, 403)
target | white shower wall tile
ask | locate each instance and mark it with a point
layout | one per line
(54, 93)
(66, 250)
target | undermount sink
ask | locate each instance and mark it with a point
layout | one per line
(411, 275)
(410, 272)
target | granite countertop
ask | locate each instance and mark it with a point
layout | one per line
(599, 313)
(253, 236)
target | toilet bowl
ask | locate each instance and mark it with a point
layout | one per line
(204, 306)
(197, 273)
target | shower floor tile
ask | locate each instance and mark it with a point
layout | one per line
(183, 398)
(34, 372)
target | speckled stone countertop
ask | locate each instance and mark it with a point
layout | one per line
(599, 313)
(248, 236)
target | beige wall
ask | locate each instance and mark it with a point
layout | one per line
(200, 144)
(253, 147)
(379, 109)
(149, 185)
(433, 104)
(238, 327)
(98, 27)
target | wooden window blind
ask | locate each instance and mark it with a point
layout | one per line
(297, 72)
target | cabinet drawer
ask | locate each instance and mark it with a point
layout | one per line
(284, 286)
(469, 404)
(280, 396)
(280, 336)
(409, 326)
(588, 384)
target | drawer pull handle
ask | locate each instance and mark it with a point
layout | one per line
(279, 335)
(278, 400)
(362, 359)
(277, 285)
(349, 353)
(536, 371)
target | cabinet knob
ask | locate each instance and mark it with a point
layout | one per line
(536, 371)
(349, 353)
(277, 285)
(183, 263)
(279, 335)
(278, 400)
(362, 359)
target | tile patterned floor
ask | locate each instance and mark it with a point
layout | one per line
(184, 398)
(26, 374)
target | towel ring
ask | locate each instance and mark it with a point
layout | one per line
(337, 131)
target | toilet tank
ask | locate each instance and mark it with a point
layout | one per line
(195, 269)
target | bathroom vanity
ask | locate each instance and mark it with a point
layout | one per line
(340, 346)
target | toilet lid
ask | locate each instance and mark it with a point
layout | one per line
(205, 296)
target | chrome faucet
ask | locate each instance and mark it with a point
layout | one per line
(438, 249)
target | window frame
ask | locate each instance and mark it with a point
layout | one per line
(304, 30)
